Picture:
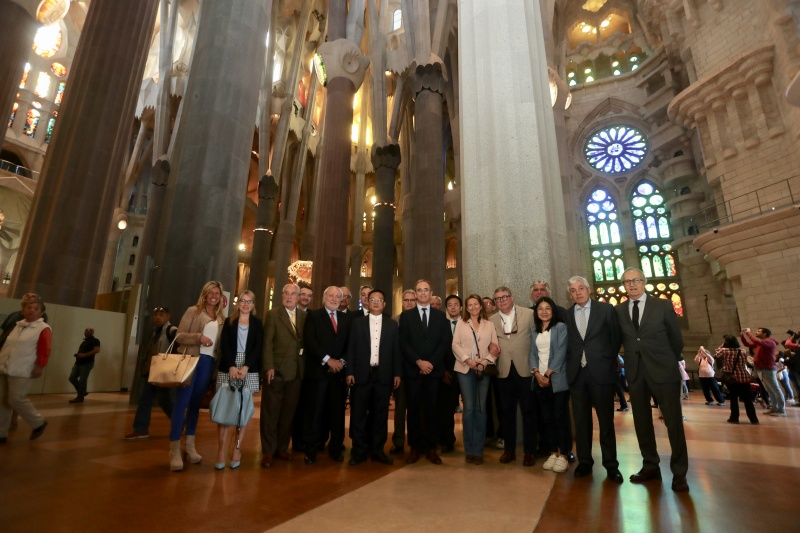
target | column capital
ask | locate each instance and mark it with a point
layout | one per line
(431, 77)
(341, 59)
(387, 156)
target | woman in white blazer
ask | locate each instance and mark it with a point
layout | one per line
(548, 361)
(472, 337)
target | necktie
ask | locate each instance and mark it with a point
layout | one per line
(636, 314)
(293, 321)
(424, 317)
(333, 321)
(582, 331)
(454, 325)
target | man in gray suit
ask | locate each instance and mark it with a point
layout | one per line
(283, 375)
(653, 342)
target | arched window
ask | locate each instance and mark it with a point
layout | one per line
(13, 114)
(128, 278)
(31, 121)
(657, 259)
(615, 149)
(605, 245)
(51, 125)
(451, 254)
(366, 265)
(135, 241)
(132, 259)
(397, 19)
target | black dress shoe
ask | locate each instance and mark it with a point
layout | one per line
(614, 476)
(679, 484)
(413, 457)
(622, 410)
(36, 433)
(356, 459)
(643, 476)
(338, 457)
(433, 457)
(394, 450)
(583, 470)
(382, 458)
(310, 459)
(571, 457)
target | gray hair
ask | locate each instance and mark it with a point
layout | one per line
(635, 269)
(503, 288)
(576, 279)
(540, 282)
(341, 294)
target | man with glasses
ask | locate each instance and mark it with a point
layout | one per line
(373, 370)
(284, 368)
(513, 325)
(593, 345)
(653, 342)
(399, 433)
(425, 339)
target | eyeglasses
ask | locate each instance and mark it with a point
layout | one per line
(243, 301)
(410, 300)
(347, 296)
(502, 298)
(633, 281)
(376, 300)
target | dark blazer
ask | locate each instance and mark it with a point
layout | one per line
(282, 344)
(430, 344)
(601, 344)
(359, 351)
(657, 344)
(320, 340)
(228, 344)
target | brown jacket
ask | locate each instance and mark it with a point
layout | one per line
(283, 345)
(191, 329)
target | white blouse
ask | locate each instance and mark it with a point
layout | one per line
(210, 330)
(543, 345)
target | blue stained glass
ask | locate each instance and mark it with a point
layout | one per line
(599, 195)
(640, 232)
(615, 149)
(615, 232)
(658, 267)
(644, 188)
(598, 271)
(593, 208)
(663, 228)
(608, 205)
(652, 233)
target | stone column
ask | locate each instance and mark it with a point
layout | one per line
(203, 211)
(65, 238)
(385, 160)
(19, 29)
(428, 257)
(345, 67)
(513, 222)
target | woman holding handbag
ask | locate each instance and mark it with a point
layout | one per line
(548, 361)
(472, 337)
(240, 355)
(735, 373)
(198, 333)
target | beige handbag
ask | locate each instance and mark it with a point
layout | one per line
(172, 369)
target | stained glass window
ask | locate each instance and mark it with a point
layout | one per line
(60, 92)
(616, 149)
(605, 244)
(653, 238)
(58, 70)
(25, 73)
(31, 121)
(51, 124)
(13, 114)
(48, 40)
(42, 85)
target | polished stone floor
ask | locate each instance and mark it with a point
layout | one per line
(82, 476)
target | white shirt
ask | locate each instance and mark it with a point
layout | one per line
(641, 301)
(375, 325)
(508, 320)
(588, 311)
(427, 309)
(543, 345)
(210, 330)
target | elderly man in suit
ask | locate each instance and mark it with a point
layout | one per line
(513, 326)
(425, 340)
(325, 343)
(594, 340)
(653, 342)
(373, 369)
(283, 375)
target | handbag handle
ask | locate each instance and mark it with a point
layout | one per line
(169, 349)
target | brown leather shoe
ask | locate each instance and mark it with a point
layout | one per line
(413, 457)
(507, 457)
(679, 484)
(528, 460)
(283, 456)
(433, 457)
(643, 476)
(266, 461)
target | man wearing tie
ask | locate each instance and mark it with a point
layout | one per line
(325, 342)
(448, 388)
(653, 343)
(425, 340)
(594, 339)
(373, 370)
(400, 405)
(284, 365)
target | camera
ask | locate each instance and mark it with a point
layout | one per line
(791, 332)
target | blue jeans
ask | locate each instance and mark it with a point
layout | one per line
(79, 376)
(770, 382)
(473, 391)
(141, 421)
(187, 404)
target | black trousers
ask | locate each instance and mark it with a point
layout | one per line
(737, 391)
(421, 395)
(554, 413)
(399, 434)
(369, 400)
(516, 390)
(585, 395)
(325, 395)
(446, 410)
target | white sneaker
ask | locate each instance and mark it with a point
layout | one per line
(500, 444)
(548, 465)
(560, 464)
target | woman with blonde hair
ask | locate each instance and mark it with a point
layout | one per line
(240, 355)
(198, 333)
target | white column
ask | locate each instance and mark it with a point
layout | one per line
(513, 227)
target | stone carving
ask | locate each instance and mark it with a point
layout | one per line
(343, 59)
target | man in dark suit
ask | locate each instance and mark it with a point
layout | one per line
(594, 340)
(425, 340)
(448, 389)
(374, 365)
(325, 342)
(283, 365)
(653, 342)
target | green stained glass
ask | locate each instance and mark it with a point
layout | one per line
(609, 269)
(658, 267)
(598, 271)
(593, 235)
(604, 234)
(648, 272)
(620, 266)
(669, 263)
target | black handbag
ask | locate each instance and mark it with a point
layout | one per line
(729, 378)
(490, 369)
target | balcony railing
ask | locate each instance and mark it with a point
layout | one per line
(19, 170)
(785, 193)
